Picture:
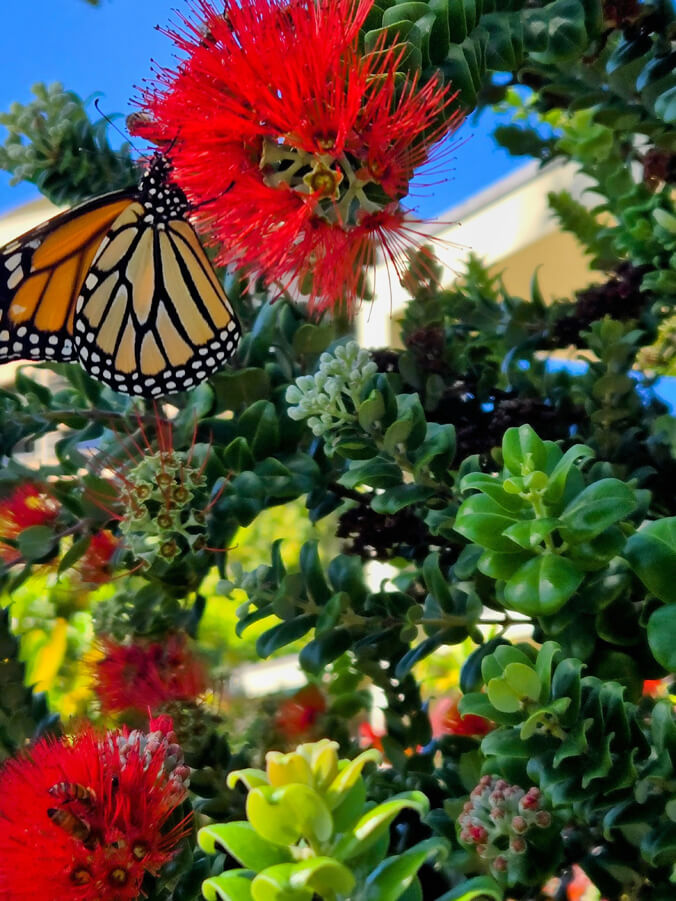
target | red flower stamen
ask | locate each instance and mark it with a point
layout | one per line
(294, 147)
(147, 675)
(73, 810)
(26, 506)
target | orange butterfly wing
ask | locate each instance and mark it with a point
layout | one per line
(41, 276)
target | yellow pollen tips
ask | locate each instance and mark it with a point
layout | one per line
(139, 850)
(118, 876)
(80, 876)
(323, 181)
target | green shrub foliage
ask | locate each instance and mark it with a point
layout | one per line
(527, 511)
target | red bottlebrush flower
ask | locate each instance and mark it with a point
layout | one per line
(654, 688)
(94, 567)
(370, 738)
(298, 715)
(87, 817)
(26, 506)
(146, 675)
(446, 719)
(294, 146)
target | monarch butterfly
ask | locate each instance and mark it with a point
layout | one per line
(121, 284)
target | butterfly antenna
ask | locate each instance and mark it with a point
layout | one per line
(116, 127)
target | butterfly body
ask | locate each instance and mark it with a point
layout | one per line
(122, 285)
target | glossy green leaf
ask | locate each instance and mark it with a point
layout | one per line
(36, 542)
(523, 450)
(389, 880)
(242, 841)
(233, 885)
(662, 636)
(482, 520)
(372, 825)
(599, 506)
(322, 876)
(651, 553)
(480, 888)
(542, 585)
(349, 775)
(282, 815)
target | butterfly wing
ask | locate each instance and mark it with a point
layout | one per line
(41, 274)
(152, 318)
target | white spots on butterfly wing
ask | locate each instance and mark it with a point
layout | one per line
(79, 325)
(34, 339)
(17, 347)
(12, 262)
(50, 351)
(170, 385)
(34, 244)
(210, 361)
(4, 335)
(53, 339)
(15, 279)
(91, 281)
(94, 370)
(138, 389)
(21, 331)
(220, 355)
(67, 347)
(157, 390)
(84, 353)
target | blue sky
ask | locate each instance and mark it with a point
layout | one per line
(108, 49)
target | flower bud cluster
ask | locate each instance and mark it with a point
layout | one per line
(499, 819)
(163, 510)
(329, 399)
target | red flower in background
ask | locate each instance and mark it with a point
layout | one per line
(295, 147)
(298, 715)
(86, 817)
(446, 719)
(146, 675)
(26, 506)
(94, 567)
(370, 737)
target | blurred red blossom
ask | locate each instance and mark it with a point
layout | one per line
(297, 715)
(293, 145)
(446, 719)
(86, 817)
(94, 567)
(145, 675)
(27, 505)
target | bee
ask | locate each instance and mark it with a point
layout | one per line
(70, 823)
(73, 791)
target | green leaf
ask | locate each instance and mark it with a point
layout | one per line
(483, 521)
(480, 888)
(389, 880)
(371, 410)
(322, 876)
(259, 424)
(372, 825)
(523, 451)
(542, 586)
(234, 390)
(232, 885)
(36, 542)
(377, 473)
(651, 553)
(662, 636)
(242, 841)
(74, 553)
(349, 775)
(282, 815)
(599, 506)
(529, 533)
(312, 339)
(284, 633)
(395, 499)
